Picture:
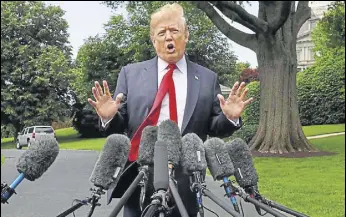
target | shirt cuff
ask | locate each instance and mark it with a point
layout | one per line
(105, 122)
(235, 122)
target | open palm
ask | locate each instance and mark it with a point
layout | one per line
(105, 106)
(235, 104)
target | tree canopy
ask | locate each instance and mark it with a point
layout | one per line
(35, 58)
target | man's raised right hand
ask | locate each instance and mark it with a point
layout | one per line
(105, 106)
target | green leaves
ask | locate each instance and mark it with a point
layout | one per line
(329, 34)
(35, 59)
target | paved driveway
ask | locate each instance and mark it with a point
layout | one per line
(68, 179)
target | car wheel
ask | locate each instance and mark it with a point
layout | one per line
(18, 145)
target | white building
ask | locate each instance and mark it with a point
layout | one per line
(305, 55)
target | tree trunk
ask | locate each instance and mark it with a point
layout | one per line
(279, 130)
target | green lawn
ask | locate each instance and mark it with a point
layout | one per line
(323, 129)
(314, 186)
(2, 159)
(69, 139)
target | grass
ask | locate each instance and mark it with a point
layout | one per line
(2, 159)
(68, 138)
(323, 129)
(314, 186)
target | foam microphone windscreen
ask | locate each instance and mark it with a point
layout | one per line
(193, 154)
(169, 132)
(245, 172)
(38, 158)
(147, 145)
(160, 166)
(218, 160)
(111, 161)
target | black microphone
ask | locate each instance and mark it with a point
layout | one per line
(194, 164)
(159, 200)
(169, 133)
(32, 164)
(145, 159)
(246, 174)
(106, 172)
(220, 166)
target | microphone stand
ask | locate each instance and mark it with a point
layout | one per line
(160, 199)
(158, 204)
(6, 192)
(230, 193)
(96, 195)
(279, 206)
(173, 189)
(141, 177)
(196, 186)
(241, 192)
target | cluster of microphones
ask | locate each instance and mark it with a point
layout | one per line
(163, 149)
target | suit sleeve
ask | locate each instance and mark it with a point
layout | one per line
(119, 123)
(219, 125)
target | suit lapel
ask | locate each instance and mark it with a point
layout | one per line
(193, 84)
(149, 76)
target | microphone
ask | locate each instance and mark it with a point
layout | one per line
(194, 163)
(169, 133)
(220, 166)
(159, 200)
(111, 161)
(246, 174)
(105, 174)
(32, 164)
(145, 159)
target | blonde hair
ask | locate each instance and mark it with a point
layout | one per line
(167, 10)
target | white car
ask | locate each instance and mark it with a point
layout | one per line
(34, 133)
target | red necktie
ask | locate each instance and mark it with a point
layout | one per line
(167, 85)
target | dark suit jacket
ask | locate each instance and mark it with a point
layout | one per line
(203, 115)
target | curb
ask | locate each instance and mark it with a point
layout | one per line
(325, 135)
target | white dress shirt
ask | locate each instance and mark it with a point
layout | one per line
(180, 84)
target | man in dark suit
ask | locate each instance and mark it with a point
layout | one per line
(190, 95)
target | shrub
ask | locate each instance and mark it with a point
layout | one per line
(251, 113)
(85, 121)
(246, 132)
(321, 92)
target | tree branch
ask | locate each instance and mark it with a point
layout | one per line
(303, 14)
(281, 16)
(242, 38)
(234, 16)
(259, 24)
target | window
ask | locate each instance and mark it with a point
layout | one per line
(313, 24)
(299, 52)
(31, 129)
(44, 130)
(311, 53)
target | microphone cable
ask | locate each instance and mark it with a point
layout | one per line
(210, 211)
